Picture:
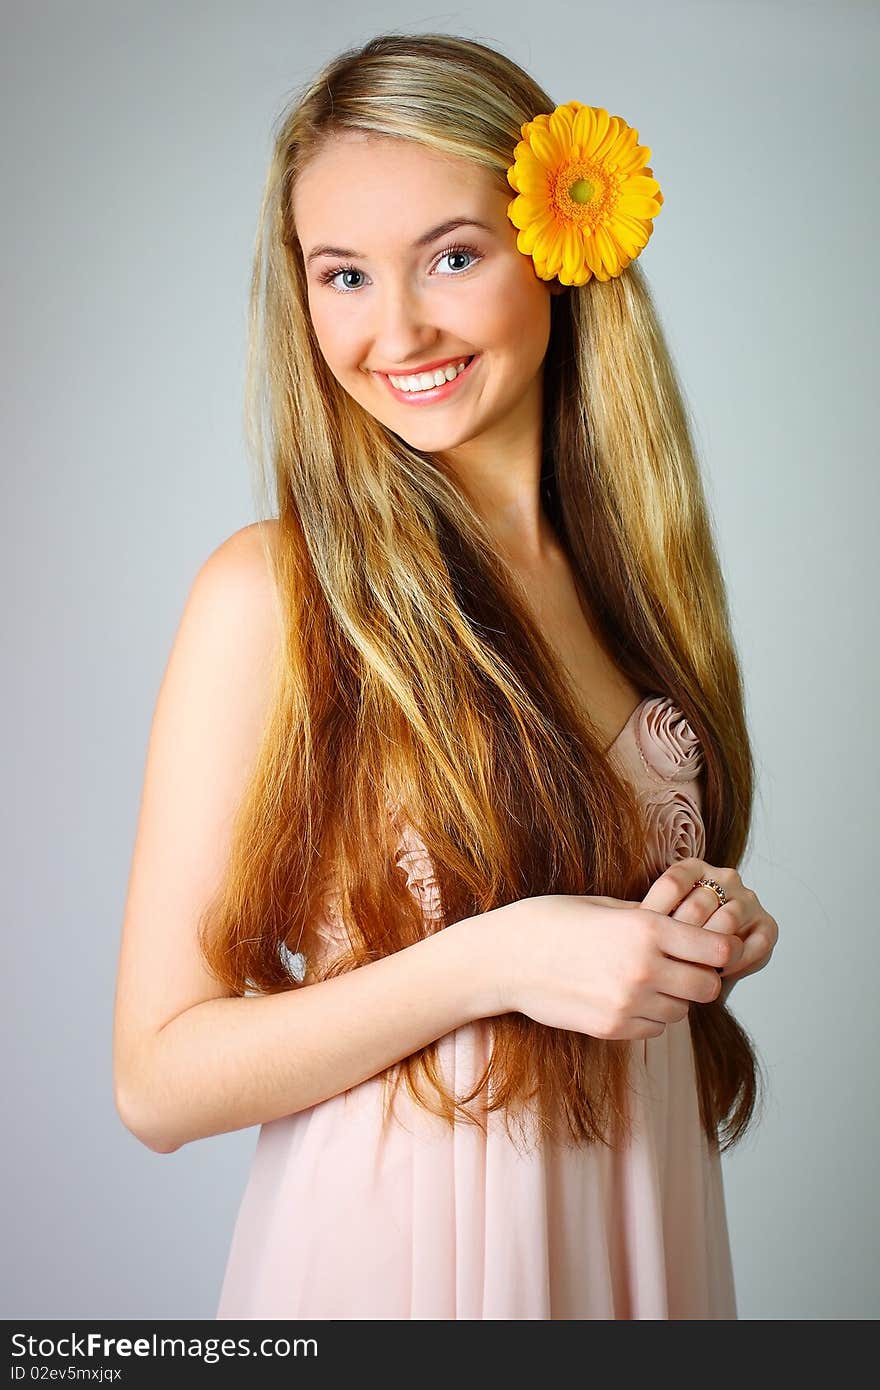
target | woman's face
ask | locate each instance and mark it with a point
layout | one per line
(392, 300)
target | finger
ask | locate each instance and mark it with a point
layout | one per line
(676, 882)
(672, 1008)
(756, 953)
(697, 902)
(729, 918)
(684, 981)
(682, 941)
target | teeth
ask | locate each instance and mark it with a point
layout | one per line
(424, 381)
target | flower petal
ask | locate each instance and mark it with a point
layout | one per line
(529, 174)
(528, 239)
(572, 250)
(632, 227)
(638, 206)
(548, 246)
(626, 239)
(608, 250)
(578, 275)
(592, 254)
(601, 122)
(626, 140)
(560, 124)
(547, 147)
(641, 184)
(609, 139)
(525, 208)
(634, 159)
(583, 127)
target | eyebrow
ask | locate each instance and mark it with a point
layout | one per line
(425, 240)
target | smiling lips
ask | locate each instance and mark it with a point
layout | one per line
(424, 387)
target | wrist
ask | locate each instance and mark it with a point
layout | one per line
(486, 946)
(496, 954)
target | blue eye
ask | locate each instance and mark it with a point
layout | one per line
(328, 276)
(458, 251)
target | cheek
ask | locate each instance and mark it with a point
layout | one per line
(337, 345)
(519, 305)
(522, 318)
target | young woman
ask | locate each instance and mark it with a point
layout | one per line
(449, 773)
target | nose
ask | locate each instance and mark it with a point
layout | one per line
(403, 329)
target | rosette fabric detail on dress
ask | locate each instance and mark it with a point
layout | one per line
(413, 858)
(666, 740)
(665, 758)
(674, 830)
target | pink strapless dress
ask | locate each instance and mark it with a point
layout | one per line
(342, 1218)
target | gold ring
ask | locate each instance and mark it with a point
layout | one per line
(716, 889)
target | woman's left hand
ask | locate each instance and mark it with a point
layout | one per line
(742, 915)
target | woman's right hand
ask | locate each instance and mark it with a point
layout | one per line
(604, 966)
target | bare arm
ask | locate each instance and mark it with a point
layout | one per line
(229, 1063)
(189, 1060)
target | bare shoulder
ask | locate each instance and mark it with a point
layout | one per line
(249, 542)
(232, 624)
(230, 630)
(242, 566)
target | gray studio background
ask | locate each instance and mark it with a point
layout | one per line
(135, 141)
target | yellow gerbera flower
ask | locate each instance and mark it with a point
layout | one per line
(586, 197)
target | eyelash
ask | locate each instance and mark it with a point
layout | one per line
(328, 276)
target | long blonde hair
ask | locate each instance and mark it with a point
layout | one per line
(412, 675)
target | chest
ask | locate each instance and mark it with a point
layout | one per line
(602, 692)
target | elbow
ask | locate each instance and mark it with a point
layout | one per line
(140, 1123)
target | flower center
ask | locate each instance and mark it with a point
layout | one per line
(581, 191)
(584, 193)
